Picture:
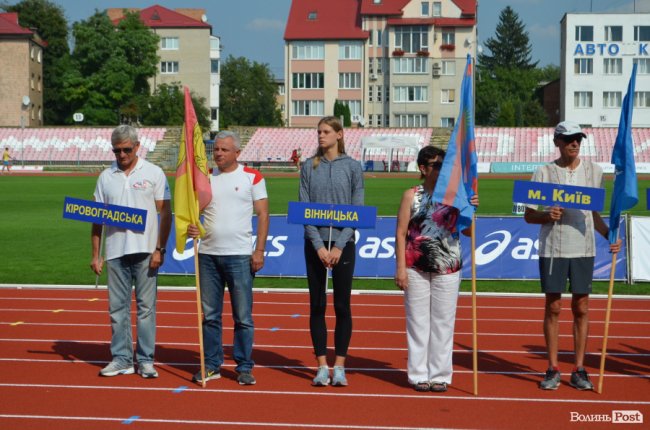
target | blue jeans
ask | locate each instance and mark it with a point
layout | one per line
(215, 272)
(123, 273)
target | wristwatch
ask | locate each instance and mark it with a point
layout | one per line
(161, 250)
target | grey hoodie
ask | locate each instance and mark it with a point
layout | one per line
(339, 181)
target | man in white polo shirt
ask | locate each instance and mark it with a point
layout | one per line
(132, 257)
(226, 256)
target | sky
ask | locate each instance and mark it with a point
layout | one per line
(255, 28)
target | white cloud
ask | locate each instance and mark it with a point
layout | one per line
(263, 24)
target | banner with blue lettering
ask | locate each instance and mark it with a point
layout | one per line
(103, 213)
(506, 248)
(566, 196)
(322, 214)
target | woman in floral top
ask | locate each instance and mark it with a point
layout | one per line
(428, 271)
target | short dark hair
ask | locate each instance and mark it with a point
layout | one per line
(429, 152)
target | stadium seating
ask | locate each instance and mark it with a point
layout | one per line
(70, 145)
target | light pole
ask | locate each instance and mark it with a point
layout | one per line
(25, 105)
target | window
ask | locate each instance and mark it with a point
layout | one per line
(281, 89)
(371, 37)
(448, 67)
(411, 120)
(214, 66)
(612, 99)
(308, 107)
(376, 1)
(380, 41)
(213, 114)
(642, 33)
(448, 37)
(584, 33)
(643, 66)
(350, 51)
(371, 90)
(642, 99)
(411, 94)
(354, 105)
(307, 51)
(32, 82)
(447, 122)
(350, 80)
(437, 8)
(380, 91)
(411, 38)
(447, 96)
(312, 16)
(613, 33)
(169, 67)
(380, 65)
(424, 8)
(612, 66)
(403, 65)
(308, 80)
(169, 43)
(583, 99)
(583, 66)
(214, 44)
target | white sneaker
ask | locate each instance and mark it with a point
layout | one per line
(146, 370)
(115, 368)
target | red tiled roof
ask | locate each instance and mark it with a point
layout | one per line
(439, 22)
(334, 19)
(386, 7)
(157, 16)
(467, 7)
(9, 25)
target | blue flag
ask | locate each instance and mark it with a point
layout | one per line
(458, 179)
(626, 193)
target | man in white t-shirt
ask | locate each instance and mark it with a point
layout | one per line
(132, 257)
(567, 250)
(225, 256)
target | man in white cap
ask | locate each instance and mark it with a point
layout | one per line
(566, 251)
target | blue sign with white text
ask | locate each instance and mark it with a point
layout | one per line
(565, 196)
(327, 215)
(103, 213)
(506, 248)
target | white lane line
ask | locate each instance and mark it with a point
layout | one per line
(306, 330)
(336, 394)
(310, 347)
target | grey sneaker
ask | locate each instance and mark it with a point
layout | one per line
(338, 377)
(115, 368)
(551, 380)
(246, 378)
(146, 370)
(580, 380)
(209, 374)
(322, 377)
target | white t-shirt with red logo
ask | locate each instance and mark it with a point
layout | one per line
(228, 217)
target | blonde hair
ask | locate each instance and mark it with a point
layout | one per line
(336, 125)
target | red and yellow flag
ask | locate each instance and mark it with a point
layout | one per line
(192, 192)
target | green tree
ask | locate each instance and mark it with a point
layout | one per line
(167, 107)
(49, 21)
(248, 94)
(111, 68)
(511, 47)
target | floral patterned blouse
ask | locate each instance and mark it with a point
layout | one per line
(432, 243)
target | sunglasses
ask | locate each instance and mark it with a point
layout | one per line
(571, 139)
(124, 150)
(436, 165)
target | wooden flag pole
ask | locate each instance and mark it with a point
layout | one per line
(474, 325)
(199, 309)
(603, 353)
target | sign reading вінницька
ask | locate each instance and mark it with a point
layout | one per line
(102, 213)
(330, 215)
(565, 196)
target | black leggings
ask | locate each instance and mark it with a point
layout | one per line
(342, 282)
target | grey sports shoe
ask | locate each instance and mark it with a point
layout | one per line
(322, 377)
(115, 368)
(338, 377)
(551, 380)
(209, 374)
(146, 370)
(246, 378)
(580, 380)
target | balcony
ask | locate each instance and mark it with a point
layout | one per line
(447, 47)
(398, 53)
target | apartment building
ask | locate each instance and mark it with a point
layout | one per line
(188, 51)
(395, 63)
(598, 53)
(21, 80)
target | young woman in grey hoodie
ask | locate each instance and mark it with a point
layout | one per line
(331, 177)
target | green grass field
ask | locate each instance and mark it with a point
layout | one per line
(40, 247)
